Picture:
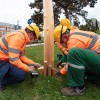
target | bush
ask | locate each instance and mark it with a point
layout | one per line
(98, 32)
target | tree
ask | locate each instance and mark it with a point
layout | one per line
(97, 27)
(91, 25)
(70, 8)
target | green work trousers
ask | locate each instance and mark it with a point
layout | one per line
(83, 63)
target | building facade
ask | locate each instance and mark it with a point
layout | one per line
(6, 28)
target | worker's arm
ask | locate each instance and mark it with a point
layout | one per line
(63, 49)
(14, 50)
(26, 60)
(72, 43)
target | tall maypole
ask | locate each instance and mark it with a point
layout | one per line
(48, 37)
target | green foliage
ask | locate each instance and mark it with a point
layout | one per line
(97, 27)
(45, 88)
(98, 31)
(70, 8)
(91, 26)
(41, 40)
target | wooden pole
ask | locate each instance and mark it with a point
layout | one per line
(48, 30)
(45, 68)
(49, 70)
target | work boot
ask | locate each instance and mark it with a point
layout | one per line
(71, 91)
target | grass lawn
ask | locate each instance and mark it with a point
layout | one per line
(45, 88)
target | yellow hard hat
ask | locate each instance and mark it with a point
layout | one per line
(33, 27)
(65, 22)
(58, 31)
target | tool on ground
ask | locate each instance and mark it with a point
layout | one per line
(34, 74)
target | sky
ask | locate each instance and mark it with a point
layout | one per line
(12, 11)
(94, 12)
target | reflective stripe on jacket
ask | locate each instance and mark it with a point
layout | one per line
(84, 39)
(12, 47)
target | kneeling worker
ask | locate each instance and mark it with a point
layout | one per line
(13, 63)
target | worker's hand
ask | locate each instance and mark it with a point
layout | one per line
(37, 65)
(59, 64)
(31, 68)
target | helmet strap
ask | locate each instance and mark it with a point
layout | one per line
(61, 32)
(67, 31)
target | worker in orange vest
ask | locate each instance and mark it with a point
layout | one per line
(13, 63)
(75, 38)
(62, 58)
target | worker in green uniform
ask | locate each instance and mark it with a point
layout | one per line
(83, 65)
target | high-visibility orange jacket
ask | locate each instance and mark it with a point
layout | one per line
(82, 39)
(12, 47)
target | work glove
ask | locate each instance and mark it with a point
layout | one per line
(59, 64)
(63, 70)
(36, 65)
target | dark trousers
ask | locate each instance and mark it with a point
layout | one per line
(10, 74)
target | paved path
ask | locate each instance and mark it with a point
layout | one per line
(34, 44)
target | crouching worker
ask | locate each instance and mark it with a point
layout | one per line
(63, 48)
(13, 63)
(83, 65)
(67, 39)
